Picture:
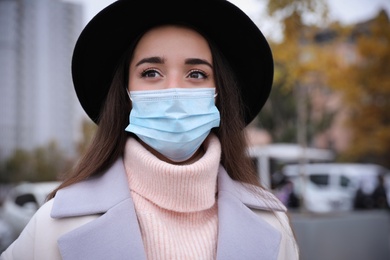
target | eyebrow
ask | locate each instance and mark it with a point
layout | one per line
(196, 61)
(154, 59)
(159, 60)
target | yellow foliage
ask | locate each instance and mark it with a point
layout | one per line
(366, 88)
(356, 64)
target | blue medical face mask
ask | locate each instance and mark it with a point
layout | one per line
(174, 122)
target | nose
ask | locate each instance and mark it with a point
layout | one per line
(174, 80)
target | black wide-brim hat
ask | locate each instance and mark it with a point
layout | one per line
(108, 35)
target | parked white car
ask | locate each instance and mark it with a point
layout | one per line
(329, 187)
(22, 201)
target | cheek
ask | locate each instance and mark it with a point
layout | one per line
(132, 83)
(132, 78)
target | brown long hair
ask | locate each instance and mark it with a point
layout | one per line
(110, 138)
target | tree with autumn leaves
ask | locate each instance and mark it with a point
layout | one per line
(289, 114)
(365, 87)
(352, 62)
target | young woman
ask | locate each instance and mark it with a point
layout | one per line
(171, 84)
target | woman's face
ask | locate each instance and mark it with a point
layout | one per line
(171, 57)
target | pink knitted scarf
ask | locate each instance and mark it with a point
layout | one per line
(175, 204)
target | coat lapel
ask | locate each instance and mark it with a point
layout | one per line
(115, 234)
(243, 234)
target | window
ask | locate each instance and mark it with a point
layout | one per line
(344, 181)
(22, 199)
(320, 179)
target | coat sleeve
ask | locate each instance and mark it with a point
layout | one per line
(288, 246)
(39, 238)
(24, 247)
(21, 248)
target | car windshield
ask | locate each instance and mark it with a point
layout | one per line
(321, 180)
(344, 181)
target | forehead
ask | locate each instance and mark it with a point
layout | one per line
(172, 37)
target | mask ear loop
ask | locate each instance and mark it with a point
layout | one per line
(128, 93)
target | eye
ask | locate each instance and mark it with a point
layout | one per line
(197, 74)
(150, 73)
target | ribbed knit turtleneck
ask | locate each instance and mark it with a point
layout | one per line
(175, 204)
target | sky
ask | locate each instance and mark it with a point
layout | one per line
(344, 11)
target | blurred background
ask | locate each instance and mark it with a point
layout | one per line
(321, 143)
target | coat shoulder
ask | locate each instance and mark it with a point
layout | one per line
(280, 220)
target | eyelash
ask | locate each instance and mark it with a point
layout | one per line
(204, 74)
(146, 71)
(154, 70)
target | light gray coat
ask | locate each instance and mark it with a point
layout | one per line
(95, 219)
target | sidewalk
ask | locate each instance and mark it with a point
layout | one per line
(357, 235)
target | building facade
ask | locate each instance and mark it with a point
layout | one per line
(38, 104)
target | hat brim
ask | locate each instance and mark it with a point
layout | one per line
(108, 35)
